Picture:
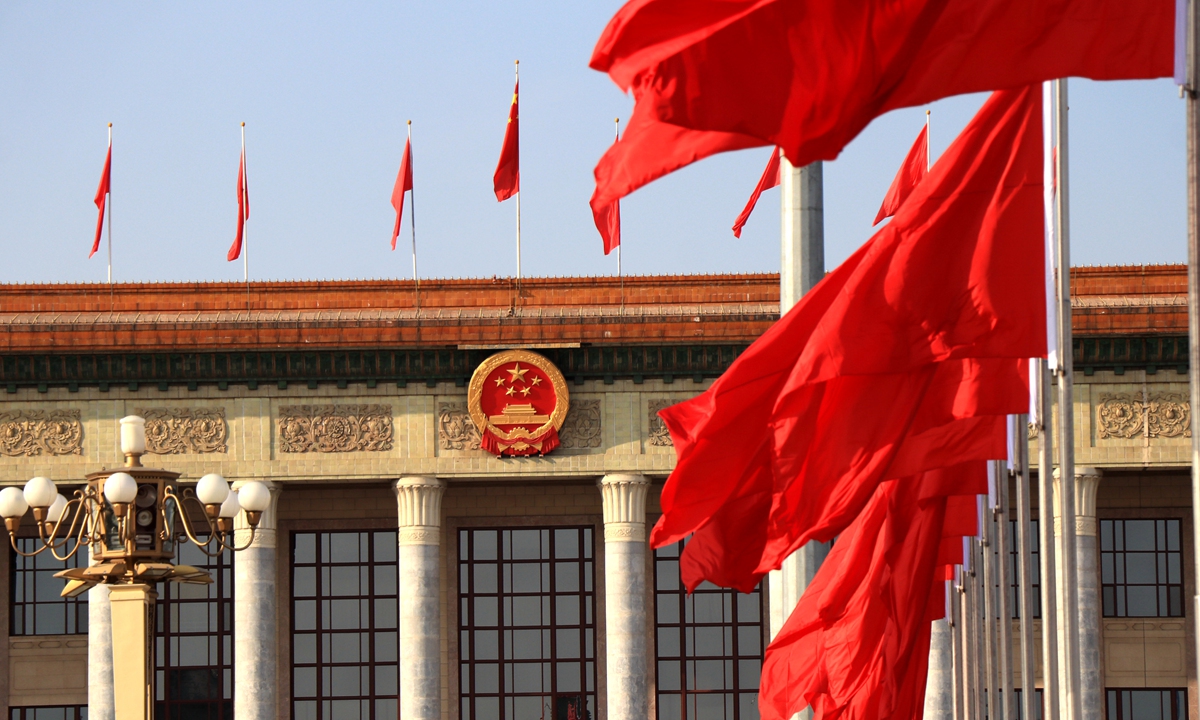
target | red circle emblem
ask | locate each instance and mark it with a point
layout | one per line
(518, 400)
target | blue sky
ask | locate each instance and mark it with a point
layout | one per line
(325, 90)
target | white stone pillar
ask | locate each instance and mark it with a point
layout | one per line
(255, 613)
(625, 612)
(419, 500)
(939, 685)
(1087, 574)
(100, 656)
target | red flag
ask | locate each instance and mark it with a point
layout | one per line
(912, 170)
(808, 77)
(814, 414)
(404, 183)
(507, 179)
(102, 197)
(608, 221)
(243, 198)
(769, 179)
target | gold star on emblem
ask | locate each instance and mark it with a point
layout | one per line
(525, 391)
(518, 373)
(499, 381)
(510, 391)
(536, 380)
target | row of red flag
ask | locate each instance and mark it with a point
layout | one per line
(869, 410)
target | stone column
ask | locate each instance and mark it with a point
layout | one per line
(625, 549)
(100, 656)
(1087, 573)
(255, 613)
(939, 685)
(419, 500)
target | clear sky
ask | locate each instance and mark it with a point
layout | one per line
(325, 89)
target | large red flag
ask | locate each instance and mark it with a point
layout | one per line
(911, 172)
(608, 222)
(102, 197)
(769, 179)
(814, 414)
(243, 200)
(808, 77)
(404, 183)
(507, 178)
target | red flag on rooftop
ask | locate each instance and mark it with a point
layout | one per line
(243, 201)
(102, 194)
(865, 377)
(507, 178)
(912, 170)
(608, 218)
(404, 183)
(769, 179)
(808, 77)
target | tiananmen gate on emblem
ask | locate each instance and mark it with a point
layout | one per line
(518, 400)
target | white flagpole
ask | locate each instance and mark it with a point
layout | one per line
(242, 209)
(620, 275)
(108, 203)
(1192, 115)
(517, 75)
(412, 221)
(928, 144)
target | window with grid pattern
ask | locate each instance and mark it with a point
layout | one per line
(709, 647)
(1141, 568)
(527, 623)
(1014, 570)
(344, 626)
(60, 712)
(194, 632)
(1139, 704)
(36, 606)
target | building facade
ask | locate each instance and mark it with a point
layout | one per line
(399, 552)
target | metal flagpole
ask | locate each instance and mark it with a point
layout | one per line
(954, 613)
(1193, 207)
(112, 294)
(517, 74)
(975, 628)
(928, 144)
(1004, 582)
(1020, 473)
(1048, 557)
(620, 275)
(412, 221)
(987, 551)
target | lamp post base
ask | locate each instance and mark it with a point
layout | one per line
(133, 650)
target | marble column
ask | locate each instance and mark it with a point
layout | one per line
(255, 609)
(419, 500)
(625, 611)
(1087, 574)
(100, 655)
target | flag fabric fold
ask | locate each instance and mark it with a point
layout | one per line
(404, 183)
(868, 374)
(808, 77)
(507, 179)
(911, 172)
(102, 198)
(243, 200)
(769, 179)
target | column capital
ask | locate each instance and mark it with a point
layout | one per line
(419, 505)
(624, 507)
(1087, 484)
(264, 534)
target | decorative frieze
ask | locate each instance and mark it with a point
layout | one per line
(581, 428)
(29, 433)
(174, 431)
(659, 435)
(1154, 415)
(335, 428)
(455, 429)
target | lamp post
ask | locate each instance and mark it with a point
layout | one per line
(127, 517)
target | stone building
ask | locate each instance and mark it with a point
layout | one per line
(398, 550)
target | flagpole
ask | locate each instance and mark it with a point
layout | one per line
(517, 75)
(241, 209)
(620, 275)
(111, 292)
(412, 222)
(928, 144)
(1193, 230)
(1020, 473)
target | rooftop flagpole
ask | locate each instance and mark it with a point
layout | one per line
(112, 294)
(517, 75)
(412, 223)
(245, 235)
(620, 275)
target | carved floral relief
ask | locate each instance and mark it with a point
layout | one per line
(173, 431)
(581, 428)
(335, 428)
(27, 433)
(659, 435)
(1129, 415)
(455, 428)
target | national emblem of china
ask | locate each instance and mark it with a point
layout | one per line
(518, 400)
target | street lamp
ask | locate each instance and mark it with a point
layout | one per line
(127, 517)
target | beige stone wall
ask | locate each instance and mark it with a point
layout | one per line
(47, 670)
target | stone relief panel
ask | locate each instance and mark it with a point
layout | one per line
(174, 431)
(27, 433)
(659, 435)
(335, 428)
(1153, 415)
(455, 429)
(581, 428)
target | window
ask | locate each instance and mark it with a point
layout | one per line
(709, 647)
(1147, 704)
(1141, 568)
(1014, 570)
(61, 712)
(37, 608)
(527, 624)
(344, 637)
(194, 629)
